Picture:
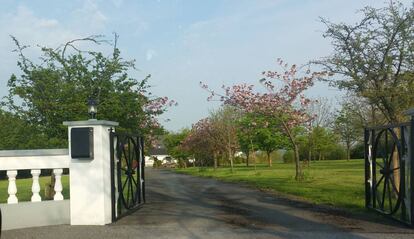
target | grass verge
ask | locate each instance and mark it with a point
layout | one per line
(338, 183)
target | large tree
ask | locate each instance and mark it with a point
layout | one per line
(375, 58)
(284, 100)
(57, 86)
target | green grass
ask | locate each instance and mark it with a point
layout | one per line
(338, 183)
(24, 188)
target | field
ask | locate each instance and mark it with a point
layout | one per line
(24, 188)
(338, 183)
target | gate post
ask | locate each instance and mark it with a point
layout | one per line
(367, 169)
(90, 179)
(410, 144)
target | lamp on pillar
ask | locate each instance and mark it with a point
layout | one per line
(92, 108)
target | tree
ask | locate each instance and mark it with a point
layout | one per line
(323, 141)
(173, 142)
(321, 110)
(204, 141)
(286, 102)
(347, 128)
(56, 87)
(17, 134)
(375, 58)
(246, 136)
(269, 140)
(225, 120)
(258, 132)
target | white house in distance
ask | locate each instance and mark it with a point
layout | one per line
(160, 153)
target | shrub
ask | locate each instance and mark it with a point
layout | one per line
(182, 163)
(239, 159)
(157, 163)
(357, 152)
(289, 157)
(336, 153)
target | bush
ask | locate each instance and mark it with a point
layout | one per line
(157, 164)
(239, 160)
(358, 151)
(182, 163)
(336, 153)
(289, 157)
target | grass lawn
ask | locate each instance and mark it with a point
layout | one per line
(339, 183)
(24, 188)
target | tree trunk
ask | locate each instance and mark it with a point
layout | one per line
(395, 162)
(299, 175)
(310, 154)
(231, 159)
(253, 154)
(348, 151)
(215, 160)
(247, 159)
(269, 159)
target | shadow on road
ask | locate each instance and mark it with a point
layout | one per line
(194, 205)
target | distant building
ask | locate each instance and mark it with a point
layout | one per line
(159, 153)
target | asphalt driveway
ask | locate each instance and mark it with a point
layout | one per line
(182, 206)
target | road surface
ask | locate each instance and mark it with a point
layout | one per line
(182, 206)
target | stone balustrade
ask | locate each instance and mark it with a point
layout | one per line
(34, 160)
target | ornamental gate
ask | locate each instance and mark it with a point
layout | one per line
(127, 173)
(389, 170)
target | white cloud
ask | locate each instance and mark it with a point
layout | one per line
(150, 54)
(29, 29)
(90, 17)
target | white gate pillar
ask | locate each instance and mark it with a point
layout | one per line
(90, 179)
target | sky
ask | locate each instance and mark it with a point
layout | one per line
(183, 42)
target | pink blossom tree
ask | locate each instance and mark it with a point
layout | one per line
(204, 139)
(283, 100)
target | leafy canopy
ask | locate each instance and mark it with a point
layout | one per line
(56, 87)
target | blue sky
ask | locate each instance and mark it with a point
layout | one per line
(184, 42)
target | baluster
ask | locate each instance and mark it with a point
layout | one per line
(36, 186)
(58, 184)
(12, 189)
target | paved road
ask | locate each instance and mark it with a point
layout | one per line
(181, 206)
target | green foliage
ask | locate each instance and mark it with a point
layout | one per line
(270, 139)
(56, 87)
(245, 135)
(173, 143)
(317, 144)
(375, 58)
(336, 152)
(18, 134)
(289, 157)
(182, 163)
(358, 151)
(348, 128)
(258, 132)
(157, 163)
(238, 160)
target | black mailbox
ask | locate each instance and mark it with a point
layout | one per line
(81, 143)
